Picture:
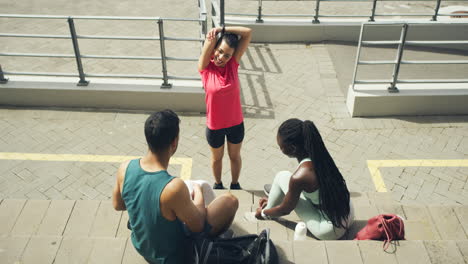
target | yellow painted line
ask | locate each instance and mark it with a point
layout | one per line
(375, 165)
(185, 172)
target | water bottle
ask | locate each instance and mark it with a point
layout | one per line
(300, 232)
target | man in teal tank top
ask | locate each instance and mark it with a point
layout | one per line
(162, 213)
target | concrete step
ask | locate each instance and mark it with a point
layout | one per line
(77, 249)
(68, 231)
(65, 249)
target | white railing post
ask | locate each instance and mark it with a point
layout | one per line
(396, 69)
(165, 83)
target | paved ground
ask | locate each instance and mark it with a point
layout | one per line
(279, 81)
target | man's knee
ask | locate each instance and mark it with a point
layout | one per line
(231, 201)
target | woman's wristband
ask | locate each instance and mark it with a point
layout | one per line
(264, 216)
(223, 30)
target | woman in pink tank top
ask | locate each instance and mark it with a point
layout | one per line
(218, 66)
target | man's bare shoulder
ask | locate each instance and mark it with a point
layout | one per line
(175, 187)
(122, 170)
(175, 194)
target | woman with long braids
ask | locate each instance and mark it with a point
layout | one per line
(218, 66)
(316, 190)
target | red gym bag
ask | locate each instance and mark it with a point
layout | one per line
(386, 227)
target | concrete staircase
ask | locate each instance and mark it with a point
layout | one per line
(68, 231)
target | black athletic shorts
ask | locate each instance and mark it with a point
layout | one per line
(234, 135)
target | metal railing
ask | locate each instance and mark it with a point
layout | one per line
(202, 20)
(316, 15)
(402, 43)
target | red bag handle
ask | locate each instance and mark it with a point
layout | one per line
(389, 235)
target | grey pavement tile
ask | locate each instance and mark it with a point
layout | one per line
(443, 251)
(364, 212)
(30, 218)
(412, 252)
(278, 232)
(72, 193)
(35, 194)
(41, 249)
(305, 250)
(54, 194)
(123, 231)
(420, 213)
(463, 247)
(397, 191)
(242, 227)
(107, 250)
(74, 250)
(10, 209)
(81, 218)
(343, 252)
(60, 186)
(131, 256)
(107, 221)
(420, 230)
(372, 252)
(56, 218)
(12, 248)
(285, 251)
(447, 222)
(88, 191)
(462, 214)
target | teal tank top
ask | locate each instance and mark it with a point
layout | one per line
(157, 239)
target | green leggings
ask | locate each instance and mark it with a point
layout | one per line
(314, 218)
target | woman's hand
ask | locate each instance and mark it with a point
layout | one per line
(212, 33)
(263, 202)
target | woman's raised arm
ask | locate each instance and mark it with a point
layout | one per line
(208, 48)
(246, 36)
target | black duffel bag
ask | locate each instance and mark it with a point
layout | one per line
(247, 249)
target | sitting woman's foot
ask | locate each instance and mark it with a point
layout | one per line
(235, 186)
(218, 186)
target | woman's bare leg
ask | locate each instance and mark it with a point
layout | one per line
(236, 160)
(217, 162)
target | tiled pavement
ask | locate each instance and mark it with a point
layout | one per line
(278, 82)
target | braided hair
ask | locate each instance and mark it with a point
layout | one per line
(304, 140)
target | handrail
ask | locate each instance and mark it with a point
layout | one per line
(101, 17)
(202, 20)
(316, 16)
(402, 43)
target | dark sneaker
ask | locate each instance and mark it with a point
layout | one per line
(235, 186)
(266, 189)
(218, 186)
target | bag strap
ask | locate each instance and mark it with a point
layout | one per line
(267, 246)
(208, 251)
(389, 236)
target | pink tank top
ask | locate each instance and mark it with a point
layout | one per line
(222, 95)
